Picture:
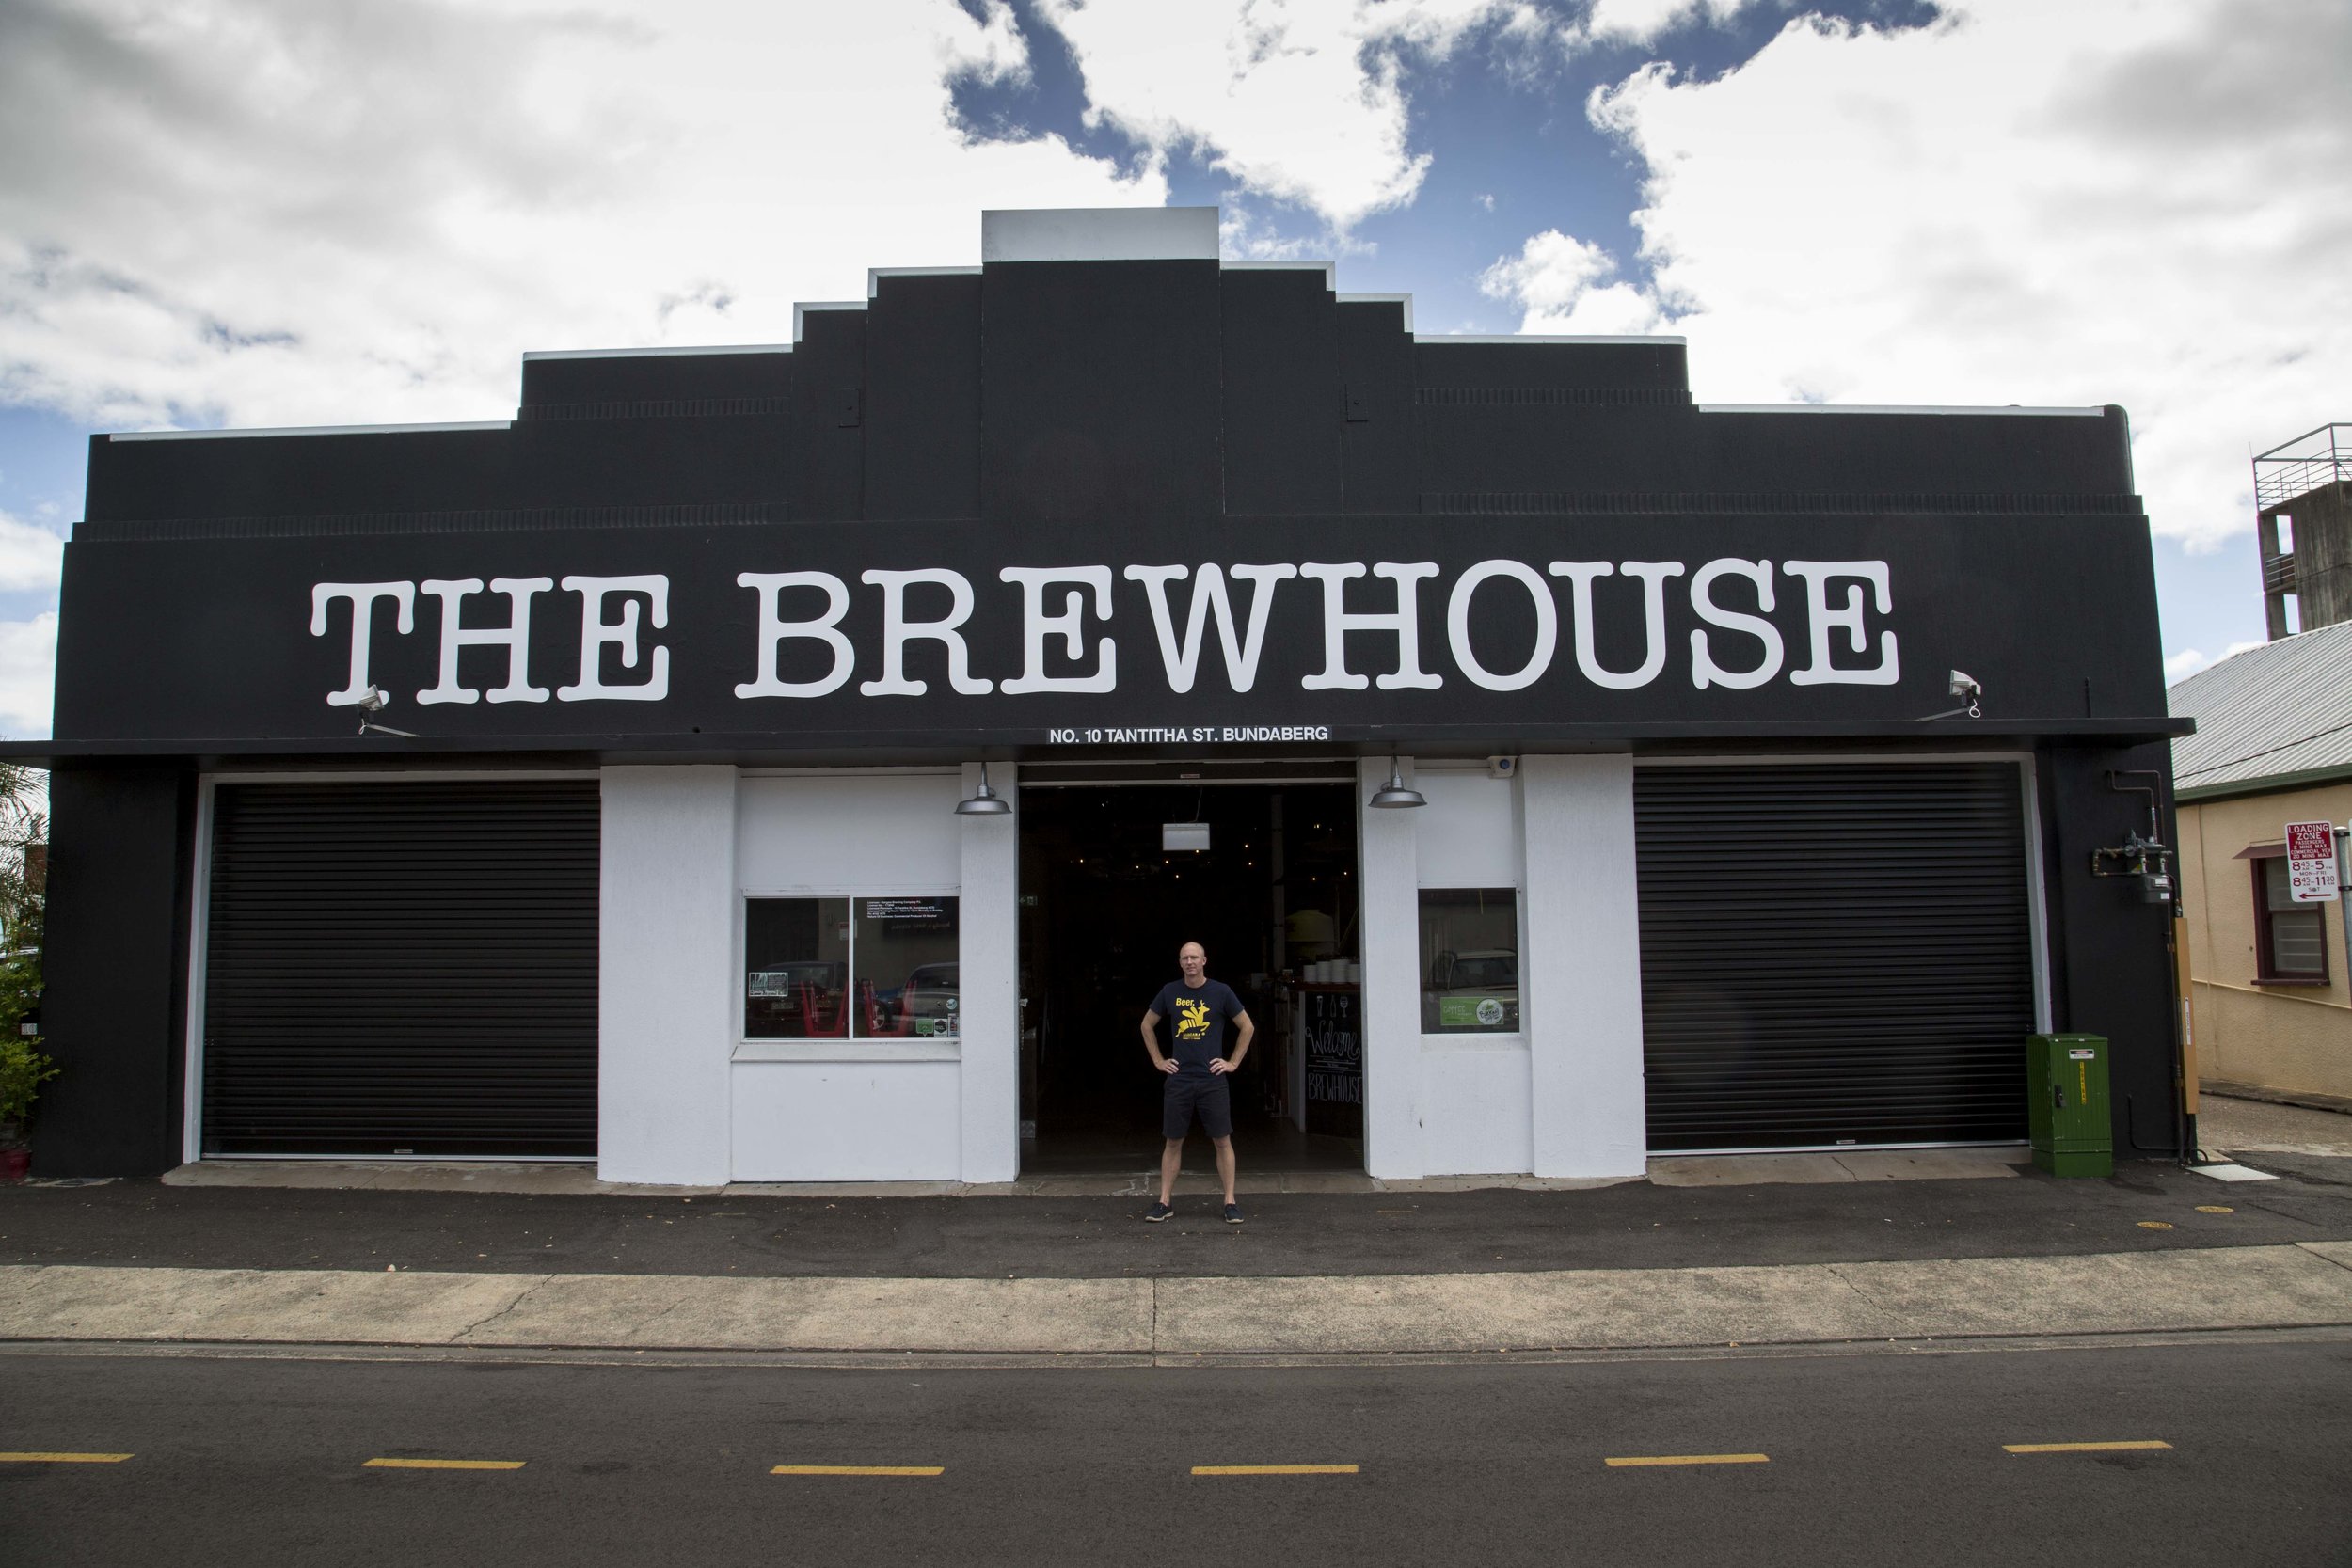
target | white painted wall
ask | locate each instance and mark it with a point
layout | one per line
(847, 1110)
(1391, 920)
(1468, 833)
(845, 1121)
(851, 833)
(1474, 1105)
(1476, 1117)
(666, 1016)
(1580, 969)
(989, 860)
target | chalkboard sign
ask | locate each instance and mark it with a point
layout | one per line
(1331, 1024)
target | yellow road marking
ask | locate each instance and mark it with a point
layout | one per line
(1274, 1469)
(2215, 1209)
(1689, 1459)
(2082, 1447)
(62, 1458)
(857, 1469)
(443, 1464)
(2155, 1225)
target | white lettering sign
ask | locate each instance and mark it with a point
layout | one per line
(1457, 624)
(597, 634)
(1581, 575)
(1180, 659)
(1738, 649)
(1404, 622)
(1820, 618)
(2312, 861)
(898, 631)
(362, 596)
(514, 637)
(1069, 625)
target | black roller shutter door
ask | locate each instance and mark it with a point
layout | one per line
(402, 969)
(1834, 954)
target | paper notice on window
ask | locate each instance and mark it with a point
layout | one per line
(2312, 861)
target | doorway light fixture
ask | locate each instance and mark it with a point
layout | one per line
(984, 802)
(1393, 795)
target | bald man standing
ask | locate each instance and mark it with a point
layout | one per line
(1197, 1070)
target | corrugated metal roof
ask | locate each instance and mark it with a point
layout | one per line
(2279, 712)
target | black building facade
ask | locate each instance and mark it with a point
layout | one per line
(585, 785)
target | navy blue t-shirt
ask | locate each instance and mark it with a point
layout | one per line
(1196, 1023)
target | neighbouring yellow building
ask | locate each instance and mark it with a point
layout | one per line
(2271, 979)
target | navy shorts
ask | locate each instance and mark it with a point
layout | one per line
(1211, 1098)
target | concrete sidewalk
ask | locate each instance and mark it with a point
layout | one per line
(2235, 1288)
(1913, 1247)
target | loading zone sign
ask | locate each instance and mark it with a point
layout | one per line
(2312, 861)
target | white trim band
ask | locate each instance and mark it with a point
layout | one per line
(1886, 409)
(660, 351)
(303, 430)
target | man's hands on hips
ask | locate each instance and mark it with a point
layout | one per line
(1168, 1065)
(1219, 1066)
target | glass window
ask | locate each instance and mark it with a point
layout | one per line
(796, 954)
(1470, 961)
(2291, 938)
(812, 973)
(905, 967)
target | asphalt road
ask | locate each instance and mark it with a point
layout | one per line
(1633, 1225)
(1864, 1458)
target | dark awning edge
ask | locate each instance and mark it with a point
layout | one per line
(830, 746)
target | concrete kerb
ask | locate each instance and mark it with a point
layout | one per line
(2241, 1287)
(568, 1179)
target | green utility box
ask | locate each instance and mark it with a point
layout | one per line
(2066, 1087)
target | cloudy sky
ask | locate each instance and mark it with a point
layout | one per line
(312, 212)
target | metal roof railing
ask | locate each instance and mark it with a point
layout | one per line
(2298, 468)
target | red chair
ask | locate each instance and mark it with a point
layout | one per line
(883, 1022)
(812, 1016)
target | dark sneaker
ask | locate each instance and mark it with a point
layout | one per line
(1157, 1213)
(1232, 1213)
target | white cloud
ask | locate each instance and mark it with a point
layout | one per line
(2104, 201)
(30, 557)
(1640, 21)
(1297, 100)
(261, 211)
(1568, 286)
(28, 674)
(2182, 665)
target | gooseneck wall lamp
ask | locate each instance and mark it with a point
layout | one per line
(983, 802)
(1393, 795)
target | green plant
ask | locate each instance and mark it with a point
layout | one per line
(23, 1071)
(23, 834)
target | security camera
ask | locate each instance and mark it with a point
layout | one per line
(373, 699)
(1965, 685)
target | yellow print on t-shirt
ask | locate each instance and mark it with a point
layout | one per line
(1192, 1020)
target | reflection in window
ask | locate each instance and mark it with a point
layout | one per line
(796, 954)
(2292, 938)
(905, 966)
(1470, 961)
(813, 973)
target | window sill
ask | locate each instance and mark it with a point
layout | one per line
(949, 1050)
(1500, 1040)
(2316, 982)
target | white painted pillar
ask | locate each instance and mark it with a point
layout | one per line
(1390, 895)
(666, 979)
(1580, 978)
(989, 1006)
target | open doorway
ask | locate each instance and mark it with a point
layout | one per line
(1105, 902)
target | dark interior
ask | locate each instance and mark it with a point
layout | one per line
(1103, 910)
